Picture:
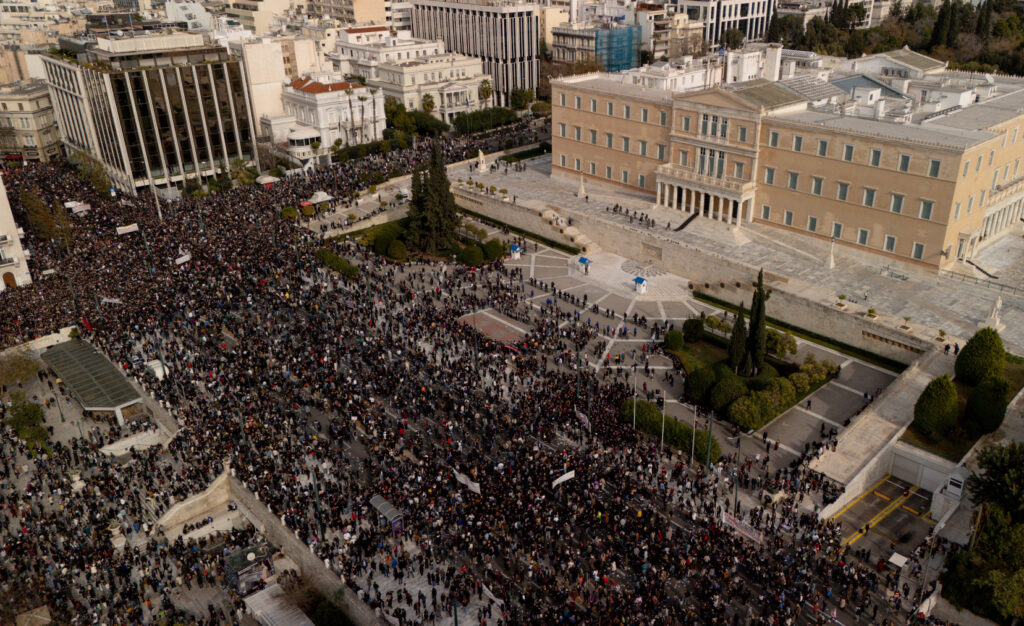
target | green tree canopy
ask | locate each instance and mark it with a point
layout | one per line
(433, 217)
(935, 411)
(982, 357)
(1000, 479)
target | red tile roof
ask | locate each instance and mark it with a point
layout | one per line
(311, 86)
(367, 29)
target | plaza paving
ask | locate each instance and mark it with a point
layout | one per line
(929, 300)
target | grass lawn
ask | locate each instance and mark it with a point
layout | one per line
(695, 355)
(525, 154)
(958, 442)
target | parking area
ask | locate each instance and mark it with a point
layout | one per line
(892, 516)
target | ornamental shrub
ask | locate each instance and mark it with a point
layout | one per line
(693, 330)
(698, 383)
(494, 249)
(986, 406)
(725, 392)
(745, 412)
(397, 250)
(983, 357)
(935, 411)
(674, 340)
(471, 255)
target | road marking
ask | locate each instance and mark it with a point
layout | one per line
(846, 388)
(884, 513)
(819, 417)
(907, 508)
(883, 496)
(860, 497)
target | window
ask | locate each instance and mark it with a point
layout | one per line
(933, 168)
(918, 252)
(561, 160)
(561, 129)
(737, 170)
(890, 243)
(842, 190)
(1015, 135)
(593, 137)
(576, 130)
(970, 204)
(995, 178)
(816, 184)
(578, 101)
(848, 152)
(794, 180)
(643, 148)
(743, 134)
(766, 212)
(578, 165)
(773, 139)
(625, 144)
(926, 209)
(642, 181)
(812, 224)
(837, 230)
(593, 105)
(977, 166)
(661, 152)
(643, 118)
(625, 177)
(896, 204)
(869, 197)
(662, 118)
(876, 157)
(981, 200)
(608, 139)
(704, 124)
(686, 124)
(862, 236)
(967, 167)
(593, 168)
(956, 212)
(608, 172)
(822, 147)
(991, 155)
(684, 157)
(625, 111)
(904, 162)
(561, 99)
(611, 108)
(798, 143)
(769, 175)
(788, 219)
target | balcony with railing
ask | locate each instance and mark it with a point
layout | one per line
(6, 261)
(735, 186)
(5, 239)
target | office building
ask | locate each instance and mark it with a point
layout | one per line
(615, 47)
(504, 34)
(13, 264)
(158, 107)
(362, 12)
(750, 17)
(894, 157)
(28, 130)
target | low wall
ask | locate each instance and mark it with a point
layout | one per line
(920, 467)
(872, 472)
(517, 215)
(217, 494)
(313, 569)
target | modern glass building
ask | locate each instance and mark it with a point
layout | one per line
(158, 108)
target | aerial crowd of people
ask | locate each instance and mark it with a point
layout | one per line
(321, 392)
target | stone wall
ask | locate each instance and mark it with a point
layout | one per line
(217, 494)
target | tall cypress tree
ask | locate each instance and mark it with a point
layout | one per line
(433, 216)
(738, 342)
(940, 30)
(956, 12)
(758, 333)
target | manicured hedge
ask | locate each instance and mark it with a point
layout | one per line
(986, 406)
(674, 340)
(471, 255)
(693, 330)
(397, 250)
(982, 357)
(337, 263)
(494, 249)
(698, 384)
(677, 434)
(484, 119)
(935, 411)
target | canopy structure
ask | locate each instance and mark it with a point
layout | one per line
(584, 261)
(267, 178)
(93, 380)
(514, 248)
(388, 512)
(305, 203)
(640, 280)
(320, 196)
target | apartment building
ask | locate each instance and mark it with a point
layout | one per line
(504, 34)
(270, 64)
(615, 47)
(152, 108)
(257, 15)
(876, 165)
(13, 263)
(28, 129)
(353, 11)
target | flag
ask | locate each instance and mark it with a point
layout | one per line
(124, 230)
(185, 258)
(465, 480)
(583, 419)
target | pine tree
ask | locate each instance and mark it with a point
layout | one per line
(940, 30)
(738, 342)
(774, 30)
(758, 333)
(984, 24)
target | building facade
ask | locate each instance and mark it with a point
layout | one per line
(159, 108)
(270, 64)
(360, 51)
(28, 129)
(615, 47)
(257, 15)
(833, 161)
(452, 82)
(504, 34)
(751, 17)
(335, 110)
(353, 11)
(13, 264)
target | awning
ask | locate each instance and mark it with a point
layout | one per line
(898, 560)
(514, 248)
(639, 280)
(320, 196)
(305, 203)
(266, 178)
(385, 508)
(585, 261)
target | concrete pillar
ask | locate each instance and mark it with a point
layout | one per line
(672, 196)
(658, 194)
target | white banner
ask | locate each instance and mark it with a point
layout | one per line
(473, 486)
(106, 300)
(80, 209)
(583, 419)
(183, 259)
(564, 477)
(741, 527)
(124, 230)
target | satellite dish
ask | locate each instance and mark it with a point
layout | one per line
(250, 557)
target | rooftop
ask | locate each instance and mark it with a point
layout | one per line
(767, 94)
(813, 88)
(984, 114)
(914, 59)
(932, 135)
(615, 84)
(30, 87)
(93, 379)
(310, 85)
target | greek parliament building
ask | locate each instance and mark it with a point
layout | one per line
(504, 34)
(158, 107)
(892, 155)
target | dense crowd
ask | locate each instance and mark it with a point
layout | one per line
(411, 396)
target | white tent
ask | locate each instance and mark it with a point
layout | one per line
(320, 196)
